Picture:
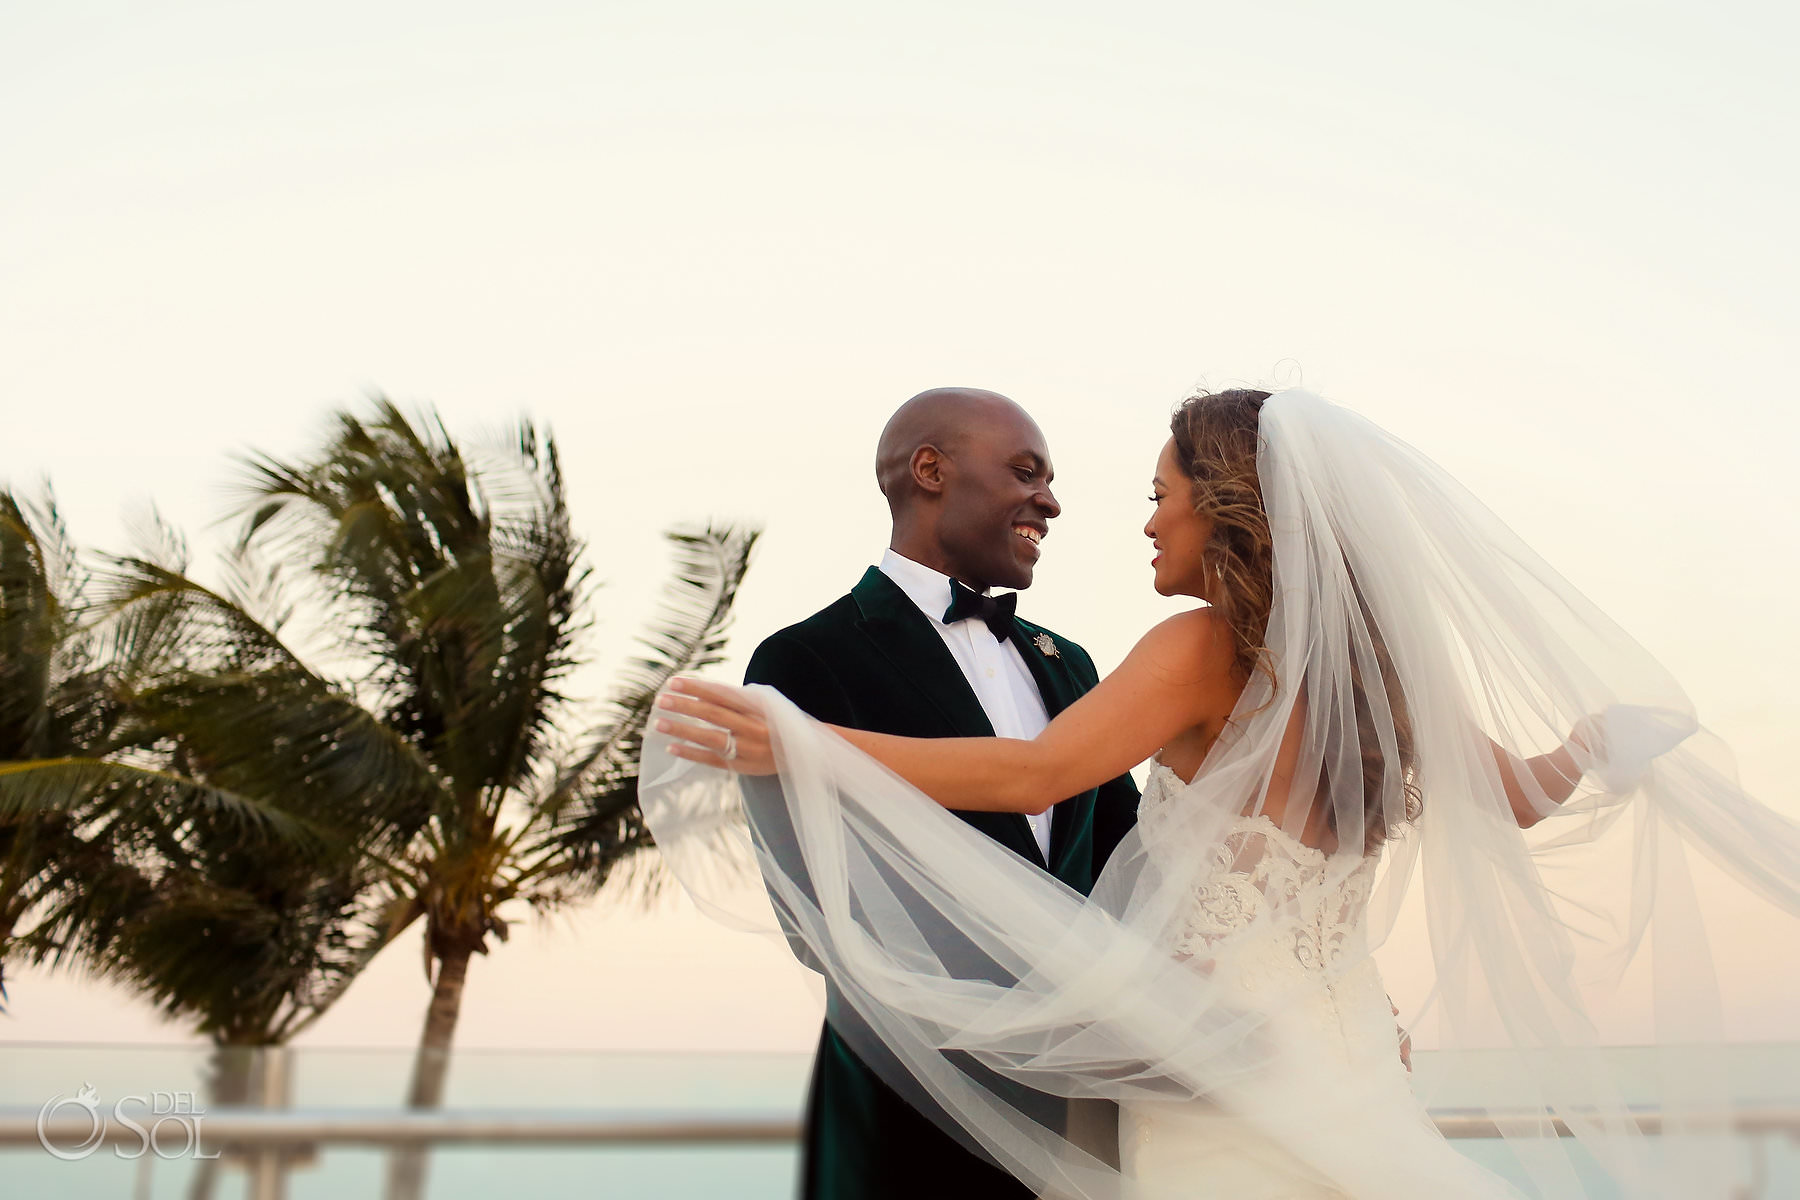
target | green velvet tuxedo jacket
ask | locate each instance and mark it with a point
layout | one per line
(873, 661)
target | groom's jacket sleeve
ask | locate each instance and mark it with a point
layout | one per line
(797, 672)
(1115, 812)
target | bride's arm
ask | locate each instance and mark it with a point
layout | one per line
(1177, 676)
(1173, 679)
(1554, 775)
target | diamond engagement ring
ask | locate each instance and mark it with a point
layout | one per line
(730, 750)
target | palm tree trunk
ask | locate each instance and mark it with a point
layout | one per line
(406, 1166)
(228, 1085)
(269, 1165)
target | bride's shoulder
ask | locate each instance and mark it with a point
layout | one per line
(1196, 640)
(1196, 629)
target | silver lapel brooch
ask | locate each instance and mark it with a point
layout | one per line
(1047, 644)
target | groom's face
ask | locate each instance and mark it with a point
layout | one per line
(997, 502)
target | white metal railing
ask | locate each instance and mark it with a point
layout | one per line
(267, 1141)
(391, 1127)
(394, 1127)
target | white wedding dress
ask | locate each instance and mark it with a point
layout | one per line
(1180, 1149)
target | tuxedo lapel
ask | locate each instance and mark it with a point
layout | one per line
(905, 638)
(1044, 660)
(1059, 690)
(917, 653)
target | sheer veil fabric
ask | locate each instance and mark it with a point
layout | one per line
(1220, 975)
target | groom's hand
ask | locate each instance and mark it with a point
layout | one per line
(1405, 1037)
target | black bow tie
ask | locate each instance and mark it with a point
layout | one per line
(994, 611)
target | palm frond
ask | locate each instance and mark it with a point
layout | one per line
(139, 794)
(379, 929)
(542, 591)
(161, 620)
(282, 735)
(591, 809)
(31, 620)
(89, 891)
(258, 588)
(274, 944)
(398, 533)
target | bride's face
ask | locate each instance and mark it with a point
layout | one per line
(1177, 531)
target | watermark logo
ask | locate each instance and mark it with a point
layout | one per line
(73, 1127)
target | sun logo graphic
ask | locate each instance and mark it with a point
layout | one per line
(72, 1127)
(85, 1101)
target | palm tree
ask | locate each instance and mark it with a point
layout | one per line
(250, 938)
(53, 702)
(426, 778)
(85, 804)
(461, 595)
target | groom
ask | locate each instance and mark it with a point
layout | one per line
(921, 648)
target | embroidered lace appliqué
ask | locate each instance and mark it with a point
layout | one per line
(1260, 872)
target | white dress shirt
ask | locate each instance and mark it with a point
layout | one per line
(996, 671)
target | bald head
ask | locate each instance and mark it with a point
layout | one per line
(967, 478)
(942, 418)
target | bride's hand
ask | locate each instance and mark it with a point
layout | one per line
(732, 725)
(1589, 736)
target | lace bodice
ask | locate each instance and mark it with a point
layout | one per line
(1311, 904)
(1279, 920)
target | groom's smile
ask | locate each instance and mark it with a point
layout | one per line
(998, 503)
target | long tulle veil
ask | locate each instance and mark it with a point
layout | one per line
(1417, 647)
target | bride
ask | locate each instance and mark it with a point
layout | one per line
(1384, 692)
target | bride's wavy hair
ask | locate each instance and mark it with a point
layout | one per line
(1217, 440)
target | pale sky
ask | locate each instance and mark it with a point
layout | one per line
(713, 245)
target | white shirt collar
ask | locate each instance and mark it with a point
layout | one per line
(928, 589)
